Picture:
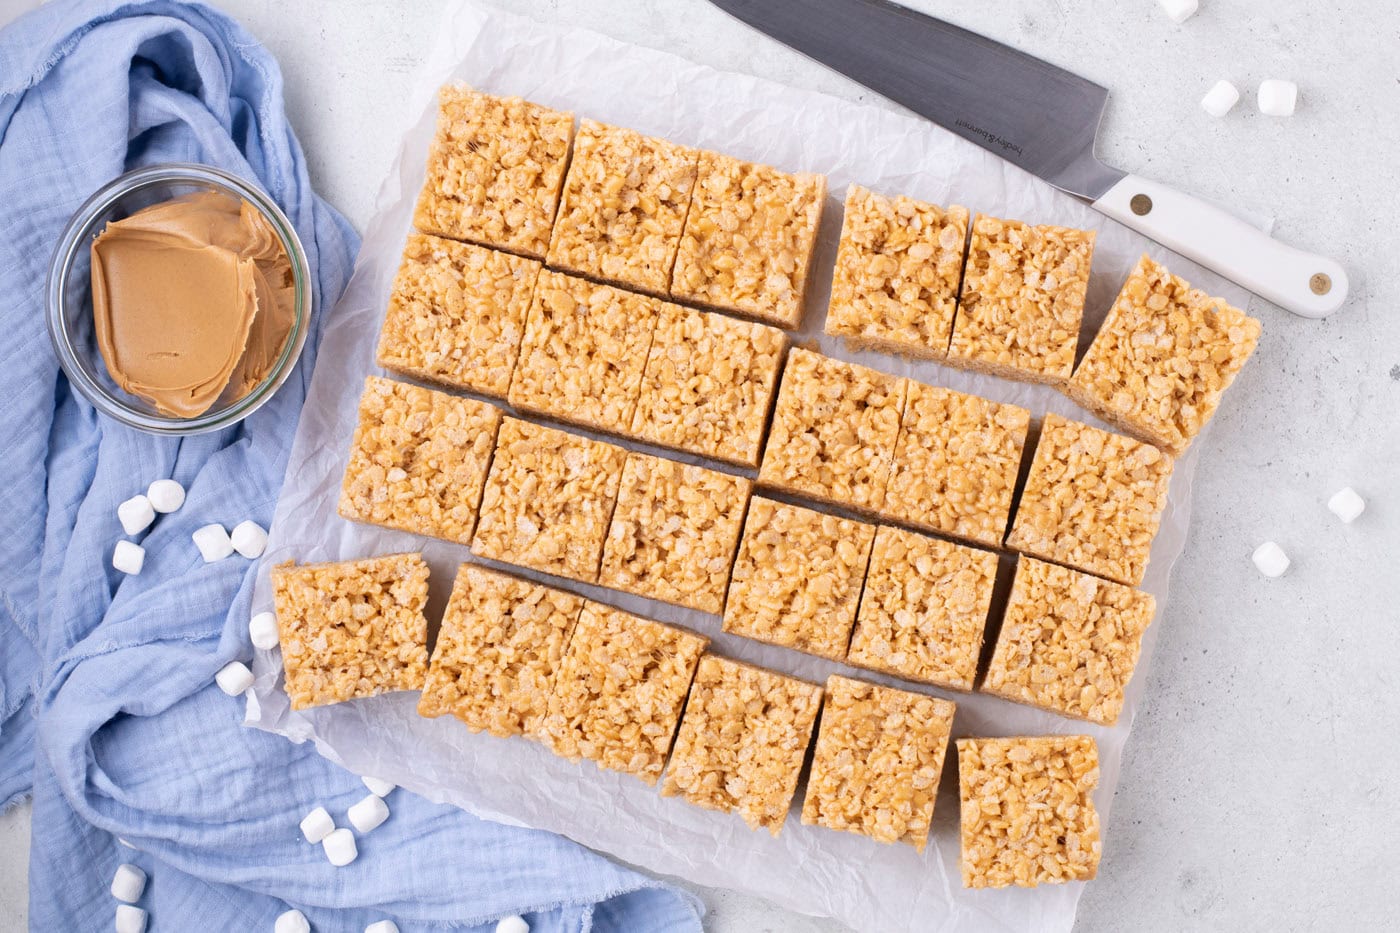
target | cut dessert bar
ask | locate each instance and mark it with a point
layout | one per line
(796, 581)
(456, 314)
(1028, 814)
(878, 759)
(494, 171)
(709, 384)
(351, 629)
(624, 204)
(1093, 500)
(898, 268)
(834, 431)
(924, 609)
(583, 352)
(742, 740)
(674, 531)
(548, 500)
(501, 642)
(619, 691)
(956, 463)
(1022, 300)
(748, 240)
(1069, 642)
(418, 460)
(1164, 356)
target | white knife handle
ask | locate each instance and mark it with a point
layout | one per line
(1306, 284)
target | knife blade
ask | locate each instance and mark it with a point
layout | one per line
(1043, 119)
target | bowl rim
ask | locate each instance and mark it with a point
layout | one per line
(74, 238)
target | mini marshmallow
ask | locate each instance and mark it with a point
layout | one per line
(382, 926)
(293, 921)
(379, 787)
(128, 557)
(1271, 560)
(317, 825)
(368, 813)
(262, 628)
(248, 539)
(166, 495)
(128, 883)
(136, 514)
(213, 543)
(130, 919)
(513, 924)
(234, 678)
(1277, 98)
(1180, 10)
(340, 847)
(1346, 504)
(1220, 99)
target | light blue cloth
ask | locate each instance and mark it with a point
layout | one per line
(108, 713)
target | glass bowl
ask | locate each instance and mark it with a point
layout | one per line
(69, 297)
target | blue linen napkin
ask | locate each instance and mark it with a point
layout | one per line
(108, 713)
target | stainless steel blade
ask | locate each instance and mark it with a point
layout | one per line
(1025, 110)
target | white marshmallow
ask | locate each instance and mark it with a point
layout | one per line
(1220, 99)
(1277, 98)
(213, 543)
(234, 678)
(368, 813)
(262, 628)
(136, 514)
(317, 825)
(293, 921)
(128, 557)
(1180, 10)
(382, 926)
(379, 787)
(166, 495)
(1346, 504)
(130, 919)
(340, 847)
(248, 539)
(1271, 560)
(128, 883)
(513, 924)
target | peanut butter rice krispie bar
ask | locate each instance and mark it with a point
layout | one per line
(956, 463)
(624, 204)
(742, 740)
(352, 629)
(418, 460)
(456, 314)
(548, 500)
(619, 691)
(502, 640)
(583, 352)
(834, 431)
(709, 384)
(898, 268)
(494, 171)
(1028, 814)
(924, 609)
(1163, 358)
(674, 531)
(1022, 300)
(878, 759)
(748, 239)
(1093, 500)
(1069, 642)
(796, 581)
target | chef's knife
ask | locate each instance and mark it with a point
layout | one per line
(1041, 118)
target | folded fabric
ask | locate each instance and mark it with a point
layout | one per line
(108, 713)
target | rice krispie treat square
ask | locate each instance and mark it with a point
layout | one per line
(494, 171)
(583, 352)
(834, 431)
(1028, 814)
(548, 500)
(456, 314)
(709, 384)
(898, 268)
(878, 759)
(502, 640)
(1093, 500)
(351, 629)
(418, 460)
(1163, 358)
(1069, 642)
(748, 239)
(742, 740)
(619, 691)
(796, 581)
(674, 531)
(924, 609)
(1022, 300)
(625, 200)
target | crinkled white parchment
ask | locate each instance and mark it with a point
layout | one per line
(817, 871)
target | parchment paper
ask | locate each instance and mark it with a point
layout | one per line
(813, 870)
